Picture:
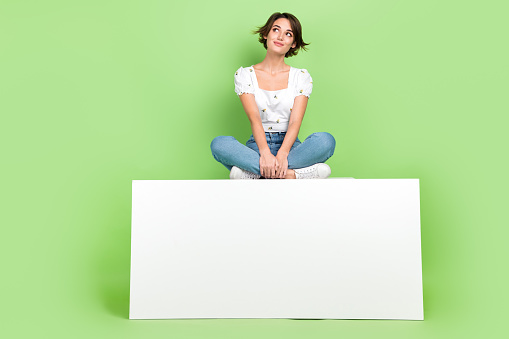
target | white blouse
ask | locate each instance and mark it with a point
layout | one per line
(275, 107)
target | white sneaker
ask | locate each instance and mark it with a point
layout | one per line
(316, 171)
(239, 173)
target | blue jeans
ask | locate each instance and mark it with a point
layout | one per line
(318, 147)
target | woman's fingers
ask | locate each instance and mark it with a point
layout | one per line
(270, 168)
(267, 172)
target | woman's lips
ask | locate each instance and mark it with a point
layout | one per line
(278, 44)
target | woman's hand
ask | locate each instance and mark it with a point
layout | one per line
(267, 165)
(281, 164)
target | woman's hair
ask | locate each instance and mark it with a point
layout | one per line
(296, 28)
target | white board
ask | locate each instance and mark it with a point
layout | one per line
(312, 249)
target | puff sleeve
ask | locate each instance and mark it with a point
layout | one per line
(304, 83)
(243, 81)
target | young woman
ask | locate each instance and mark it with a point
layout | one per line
(274, 96)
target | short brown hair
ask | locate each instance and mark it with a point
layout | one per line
(296, 28)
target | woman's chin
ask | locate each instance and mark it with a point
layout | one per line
(277, 51)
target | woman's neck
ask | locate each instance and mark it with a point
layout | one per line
(273, 64)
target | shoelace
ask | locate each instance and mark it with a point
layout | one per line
(307, 173)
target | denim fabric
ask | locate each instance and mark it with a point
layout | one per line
(317, 148)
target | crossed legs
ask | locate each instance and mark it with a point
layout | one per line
(316, 148)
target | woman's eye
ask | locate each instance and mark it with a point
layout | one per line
(288, 33)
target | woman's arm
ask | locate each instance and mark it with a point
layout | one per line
(298, 110)
(267, 160)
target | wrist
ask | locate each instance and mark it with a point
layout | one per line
(282, 152)
(265, 151)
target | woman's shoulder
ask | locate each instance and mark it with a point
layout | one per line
(303, 75)
(242, 69)
(299, 75)
(301, 70)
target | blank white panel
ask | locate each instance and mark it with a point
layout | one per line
(327, 249)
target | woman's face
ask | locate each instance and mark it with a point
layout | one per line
(280, 37)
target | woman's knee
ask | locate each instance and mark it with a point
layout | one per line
(326, 140)
(219, 143)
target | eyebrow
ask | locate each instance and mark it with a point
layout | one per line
(280, 28)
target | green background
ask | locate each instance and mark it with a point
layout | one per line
(94, 94)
